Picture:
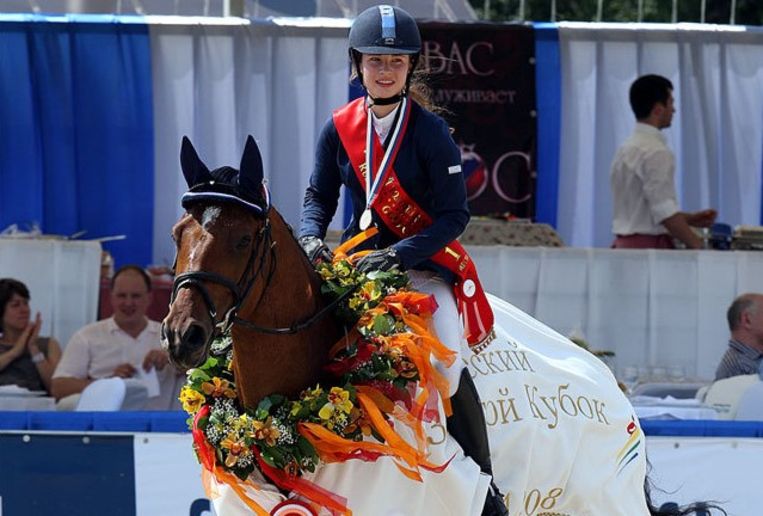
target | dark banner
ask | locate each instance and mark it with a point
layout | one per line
(483, 75)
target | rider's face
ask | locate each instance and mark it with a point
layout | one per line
(384, 75)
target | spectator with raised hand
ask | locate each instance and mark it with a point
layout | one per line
(26, 359)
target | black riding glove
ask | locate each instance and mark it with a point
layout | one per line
(315, 249)
(381, 260)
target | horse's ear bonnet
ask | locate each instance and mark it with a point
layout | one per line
(244, 187)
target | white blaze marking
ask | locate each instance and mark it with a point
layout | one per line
(210, 216)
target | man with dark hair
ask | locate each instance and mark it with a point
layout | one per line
(119, 346)
(646, 212)
(745, 352)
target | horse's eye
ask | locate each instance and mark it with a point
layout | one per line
(244, 243)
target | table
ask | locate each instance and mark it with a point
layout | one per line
(651, 307)
(674, 412)
(26, 403)
(62, 277)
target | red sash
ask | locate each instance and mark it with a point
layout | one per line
(404, 217)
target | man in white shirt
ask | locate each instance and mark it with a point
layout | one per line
(126, 345)
(646, 212)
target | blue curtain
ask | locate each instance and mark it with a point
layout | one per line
(548, 85)
(76, 128)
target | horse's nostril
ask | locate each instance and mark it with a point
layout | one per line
(195, 336)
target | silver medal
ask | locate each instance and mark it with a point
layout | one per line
(365, 220)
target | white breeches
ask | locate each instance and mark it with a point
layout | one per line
(446, 320)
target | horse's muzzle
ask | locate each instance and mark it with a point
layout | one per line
(187, 347)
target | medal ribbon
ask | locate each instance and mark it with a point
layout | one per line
(374, 180)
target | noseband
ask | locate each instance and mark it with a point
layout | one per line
(240, 290)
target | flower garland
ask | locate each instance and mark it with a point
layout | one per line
(381, 373)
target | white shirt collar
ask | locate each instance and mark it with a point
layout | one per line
(650, 130)
(383, 125)
(114, 327)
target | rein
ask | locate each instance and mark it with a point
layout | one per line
(196, 279)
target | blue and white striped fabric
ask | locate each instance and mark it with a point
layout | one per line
(92, 110)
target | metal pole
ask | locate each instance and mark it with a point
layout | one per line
(674, 12)
(703, 6)
(599, 10)
(733, 16)
(486, 9)
(233, 8)
(553, 10)
(522, 10)
(640, 11)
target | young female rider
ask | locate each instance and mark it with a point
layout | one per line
(415, 195)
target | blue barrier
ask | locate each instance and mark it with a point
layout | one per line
(173, 422)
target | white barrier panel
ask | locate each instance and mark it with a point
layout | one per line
(685, 469)
(168, 477)
(722, 469)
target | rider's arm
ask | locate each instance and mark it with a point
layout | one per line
(441, 160)
(322, 195)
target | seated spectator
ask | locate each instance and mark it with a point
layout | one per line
(26, 359)
(123, 345)
(745, 351)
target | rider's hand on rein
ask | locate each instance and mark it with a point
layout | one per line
(315, 249)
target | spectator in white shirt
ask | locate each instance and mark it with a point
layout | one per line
(646, 212)
(119, 346)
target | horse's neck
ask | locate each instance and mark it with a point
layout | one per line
(285, 364)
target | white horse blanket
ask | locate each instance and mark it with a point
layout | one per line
(564, 440)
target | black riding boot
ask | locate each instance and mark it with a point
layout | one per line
(467, 426)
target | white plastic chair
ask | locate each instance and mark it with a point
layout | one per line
(724, 395)
(106, 394)
(750, 406)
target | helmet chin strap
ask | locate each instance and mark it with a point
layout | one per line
(386, 101)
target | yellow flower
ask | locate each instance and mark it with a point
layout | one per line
(218, 388)
(235, 448)
(309, 394)
(192, 400)
(370, 291)
(265, 431)
(339, 400)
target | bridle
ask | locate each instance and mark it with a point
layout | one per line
(239, 290)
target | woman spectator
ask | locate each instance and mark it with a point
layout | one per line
(26, 359)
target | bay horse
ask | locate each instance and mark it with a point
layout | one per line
(564, 439)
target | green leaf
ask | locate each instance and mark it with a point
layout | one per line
(197, 375)
(305, 447)
(268, 458)
(210, 363)
(382, 324)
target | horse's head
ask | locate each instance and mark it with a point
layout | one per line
(222, 241)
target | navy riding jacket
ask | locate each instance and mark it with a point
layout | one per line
(428, 166)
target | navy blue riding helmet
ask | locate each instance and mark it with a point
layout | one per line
(381, 30)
